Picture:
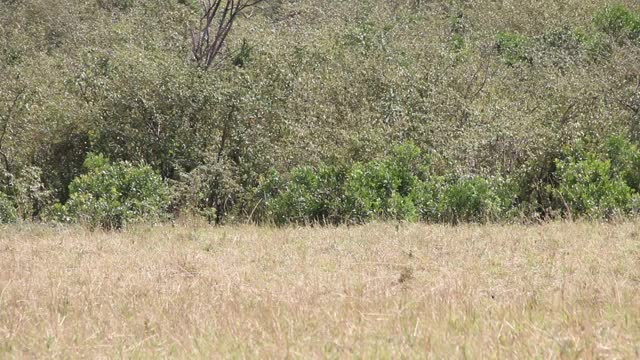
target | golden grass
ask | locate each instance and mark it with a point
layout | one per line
(557, 290)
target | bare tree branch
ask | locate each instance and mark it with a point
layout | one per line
(218, 17)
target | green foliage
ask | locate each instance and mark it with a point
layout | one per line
(457, 42)
(625, 160)
(330, 194)
(117, 77)
(399, 187)
(513, 48)
(384, 188)
(594, 44)
(243, 57)
(113, 195)
(590, 187)
(312, 195)
(367, 36)
(620, 21)
(599, 180)
(112, 5)
(8, 213)
(29, 193)
(369, 188)
(472, 199)
(209, 190)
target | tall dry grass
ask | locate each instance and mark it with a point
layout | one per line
(557, 290)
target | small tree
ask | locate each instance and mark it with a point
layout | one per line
(214, 27)
(113, 195)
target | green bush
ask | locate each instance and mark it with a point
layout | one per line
(619, 21)
(625, 160)
(374, 190)
(8, 213)
(513, 48)
(471, 199)
(268, 188)
(591, 187)
(594, 44)
(428, 198)
(112, 5)
(387, 188)
(399, 187)
(209, 190)
(563, 38)
(312, 195)
(113, 195)
(457, 42)
(29, 193)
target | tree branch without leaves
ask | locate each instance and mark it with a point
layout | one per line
(214, 26)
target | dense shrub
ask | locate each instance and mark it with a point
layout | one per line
(399, 187)
(619, 21)
(30, 194)
(484, 104)
(113, 195)
(595, 45)
(8, 212)
(625, 160)
(209, 190)
(386, 188)
(566, 47)
(471, 199)
(312, 195)
(112, 5)
(590, 187)
(513, 48)
(370, 188)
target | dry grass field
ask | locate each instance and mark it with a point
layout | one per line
(377, 291)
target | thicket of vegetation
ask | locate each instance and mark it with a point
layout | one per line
(116, 111)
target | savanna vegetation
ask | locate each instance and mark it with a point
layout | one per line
(115, 112)
(559, 290)
(161, 117)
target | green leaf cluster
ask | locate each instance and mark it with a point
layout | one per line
(600, 184)
(113, 195)
(400, 186)
(8, 213)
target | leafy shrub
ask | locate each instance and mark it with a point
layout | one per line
(562, 38)
(619, 21)
(386, 188)
(594, 44)
(590, 187)
(268, 188)
(625, 160)
(428, 198)
(208, 190)
(471, 199)
(112, 5)
(370, 189)
(112, 195)
(565, 47)
(8, 212)
(399, 187)
(402, 208)
(366, 35)
(30, 194)
(513, 48)
(457, 42)
(311, 195)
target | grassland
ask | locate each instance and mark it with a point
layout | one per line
(552, 291)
